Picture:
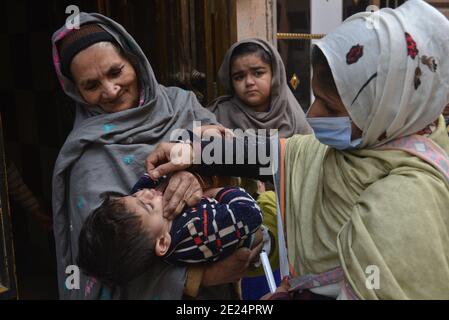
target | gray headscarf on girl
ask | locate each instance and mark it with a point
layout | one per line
(105, 152)
(285, 113)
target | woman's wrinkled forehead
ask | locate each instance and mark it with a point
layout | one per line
(95, 56)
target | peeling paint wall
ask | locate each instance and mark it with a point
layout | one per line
(255, 18)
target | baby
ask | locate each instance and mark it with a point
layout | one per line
(122, 238)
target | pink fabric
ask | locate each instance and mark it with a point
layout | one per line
(423, 148)
(89, 285)
(56, 60)
(311, 281)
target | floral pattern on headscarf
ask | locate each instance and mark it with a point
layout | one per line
(412, 51)
(378, 90)
(354, 54)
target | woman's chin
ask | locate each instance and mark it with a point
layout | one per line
(118, 108)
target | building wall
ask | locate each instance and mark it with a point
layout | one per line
(255, 18)
(442, 5)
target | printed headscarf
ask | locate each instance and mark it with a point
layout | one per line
(391, 70)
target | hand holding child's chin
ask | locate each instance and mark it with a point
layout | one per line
(183, 189)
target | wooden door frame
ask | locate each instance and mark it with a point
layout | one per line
(8, 277)
(192, 38)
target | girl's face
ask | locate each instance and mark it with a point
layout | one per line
(251, 80)
(105, 78)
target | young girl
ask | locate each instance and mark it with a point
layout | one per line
(258, 96)
(253, 75)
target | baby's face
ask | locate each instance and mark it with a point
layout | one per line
(148, 204)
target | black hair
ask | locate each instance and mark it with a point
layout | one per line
(251, 48)
(322, 70)
(113, 245)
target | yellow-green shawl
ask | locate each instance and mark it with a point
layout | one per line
(352, 209)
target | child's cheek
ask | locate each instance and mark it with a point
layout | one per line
(238, 90)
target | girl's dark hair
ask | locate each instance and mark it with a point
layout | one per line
(322, 69)
(251, 48)
(113, 245)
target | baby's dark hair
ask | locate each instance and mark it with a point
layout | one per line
(113, 245)
(322, 69)
(251, 48)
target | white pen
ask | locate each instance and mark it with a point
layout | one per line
(268, 271)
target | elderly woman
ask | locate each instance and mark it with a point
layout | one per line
(365, 211)
(121, 114)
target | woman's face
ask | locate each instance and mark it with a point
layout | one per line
(328, 104)
(251, 80)
(104, 78)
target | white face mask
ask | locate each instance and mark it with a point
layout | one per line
(334, 132)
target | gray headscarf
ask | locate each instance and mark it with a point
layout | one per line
(285, 113)
(106, 152)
